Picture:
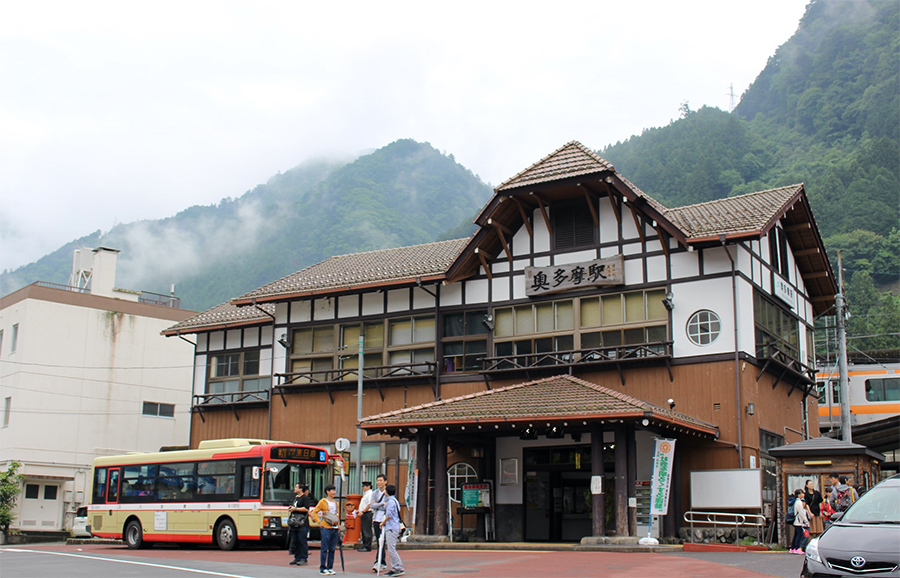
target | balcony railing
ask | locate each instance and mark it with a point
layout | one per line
(232, 397)
(347, 375)
(160, 299)
(661, 350)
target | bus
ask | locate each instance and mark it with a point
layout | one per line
(224, 492)
(874, 394)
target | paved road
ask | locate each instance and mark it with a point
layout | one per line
(96, 561)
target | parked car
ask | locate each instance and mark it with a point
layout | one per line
(862, 541)
(80, 527)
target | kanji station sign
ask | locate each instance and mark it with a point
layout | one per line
(543, 280)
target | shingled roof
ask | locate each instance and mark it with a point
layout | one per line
(358, 270)
(570, 160)
(552, 398)
(824, 446)
(750, 213)
(223, 316)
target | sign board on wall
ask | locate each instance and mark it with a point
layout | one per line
(726, 489)
(784, 291)
(544, 280)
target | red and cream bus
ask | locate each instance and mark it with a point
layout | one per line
(223, 492)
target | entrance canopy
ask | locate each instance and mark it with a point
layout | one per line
(549, 406)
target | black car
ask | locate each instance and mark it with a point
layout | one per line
(863, 541)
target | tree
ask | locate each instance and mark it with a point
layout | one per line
(10, 487)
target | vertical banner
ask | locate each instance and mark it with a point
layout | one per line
(412, 480)
(662, 477)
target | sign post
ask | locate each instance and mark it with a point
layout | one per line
(659, 485)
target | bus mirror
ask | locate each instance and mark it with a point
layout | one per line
(255, 472)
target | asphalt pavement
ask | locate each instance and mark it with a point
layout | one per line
(98, 560)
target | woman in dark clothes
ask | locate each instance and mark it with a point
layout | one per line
(814, 501)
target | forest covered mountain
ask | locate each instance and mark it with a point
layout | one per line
(825, 111)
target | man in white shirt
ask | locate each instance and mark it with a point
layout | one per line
(377, 504)
(366, 519)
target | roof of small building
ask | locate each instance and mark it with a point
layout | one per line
(823, 446)
(358, 270)
(570, 160)
(223, 316)
(560, 397)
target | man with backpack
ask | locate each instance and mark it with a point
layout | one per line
(842, 495)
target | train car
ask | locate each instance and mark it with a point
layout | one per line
(874, 394)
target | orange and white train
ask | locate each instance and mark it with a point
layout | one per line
(874, 394)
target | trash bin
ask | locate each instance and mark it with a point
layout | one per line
(352, 521)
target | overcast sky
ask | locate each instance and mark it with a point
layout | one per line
(112, 112)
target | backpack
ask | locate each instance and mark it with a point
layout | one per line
(844, 499)
(789, 516)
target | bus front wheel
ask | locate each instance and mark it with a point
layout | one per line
(134, 535)
(226, 535)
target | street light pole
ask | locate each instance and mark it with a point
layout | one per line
(359, 399)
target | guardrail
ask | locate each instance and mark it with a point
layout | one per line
(716, 519)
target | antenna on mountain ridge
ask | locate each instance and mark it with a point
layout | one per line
(731, 97)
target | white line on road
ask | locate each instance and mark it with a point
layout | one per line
(196, 571)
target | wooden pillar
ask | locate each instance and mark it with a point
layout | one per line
(441, 508)
(598, 508)
(631, 447)
(621, 481)
(422, 484)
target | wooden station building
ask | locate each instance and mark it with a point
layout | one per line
(581, 321)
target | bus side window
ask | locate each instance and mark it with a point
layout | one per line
(99, 496)
(113, 495)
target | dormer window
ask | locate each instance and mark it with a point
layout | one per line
(573, 225)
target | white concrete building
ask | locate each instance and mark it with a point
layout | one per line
(84, 372)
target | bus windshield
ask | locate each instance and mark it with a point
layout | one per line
(280, 478)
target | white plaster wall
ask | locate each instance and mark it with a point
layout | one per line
(634, 271)
(501, 265)
(202, 340)
(422, 299)
(609, 226)
(521, 242)
(716, 261)
(348, 306)
(690, 297)
(398, 300)
(632, 248)
(216, 341)
(477, 291)
(451, 294)
(233, 339)
(199, 375)
(519, 287)
(281, 313)
(656, 268)
(629, 231)
(301, 311)
(538, 262)
(373, 303)
(323, 309)
(746, 327)
(500, 289)
(541, 234)
(685, 264)
(575, 257)
(251, 336)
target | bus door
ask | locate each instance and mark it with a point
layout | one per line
(112, 498)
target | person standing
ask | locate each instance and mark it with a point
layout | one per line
(377, 505)
(801, 522)
(842, 495)
(326, 514)
(814, 503)
(366, 517)
(300, 534)
(391, 526)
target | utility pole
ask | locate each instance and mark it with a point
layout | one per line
(839, 306)
(731, 97)
(359, 394)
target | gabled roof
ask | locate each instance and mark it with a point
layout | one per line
(824, 446)
(398, 266)
(570, 160)
(223, 316)
(553, 398)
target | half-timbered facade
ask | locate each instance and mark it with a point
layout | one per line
(578, 290)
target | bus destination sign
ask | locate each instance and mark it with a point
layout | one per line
(293, 453)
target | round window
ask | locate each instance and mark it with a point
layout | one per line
(458, 474)
(703, 327)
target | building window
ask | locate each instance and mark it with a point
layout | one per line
(777, 331)
(50, 492)
(703, 327)
(886, 389)
(159, 409)
(767, 463)
(7, 408)
(458, 474)
(411, 340)
(541, 320)
(625, 319)
(573, 225)
(15, 338)
(230, 373)
(778, 251)
(32, 491)
(465, 341)
(314, 349)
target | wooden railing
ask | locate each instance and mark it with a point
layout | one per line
(230, 397)
(579, 357)
(419, 370)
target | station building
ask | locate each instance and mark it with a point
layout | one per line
(581, 321)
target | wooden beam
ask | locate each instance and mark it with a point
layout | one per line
(543, 212)
(505, 245)
(798, 227)
(525, 218)
(663, 239)
(500, 226)
(806, 252)
(815, 275)
(590, 204)
(484, 263)
(637, 222)
(613, 201)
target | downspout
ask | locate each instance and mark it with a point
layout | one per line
(737, 359)
(267, 314)
(193, 386)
